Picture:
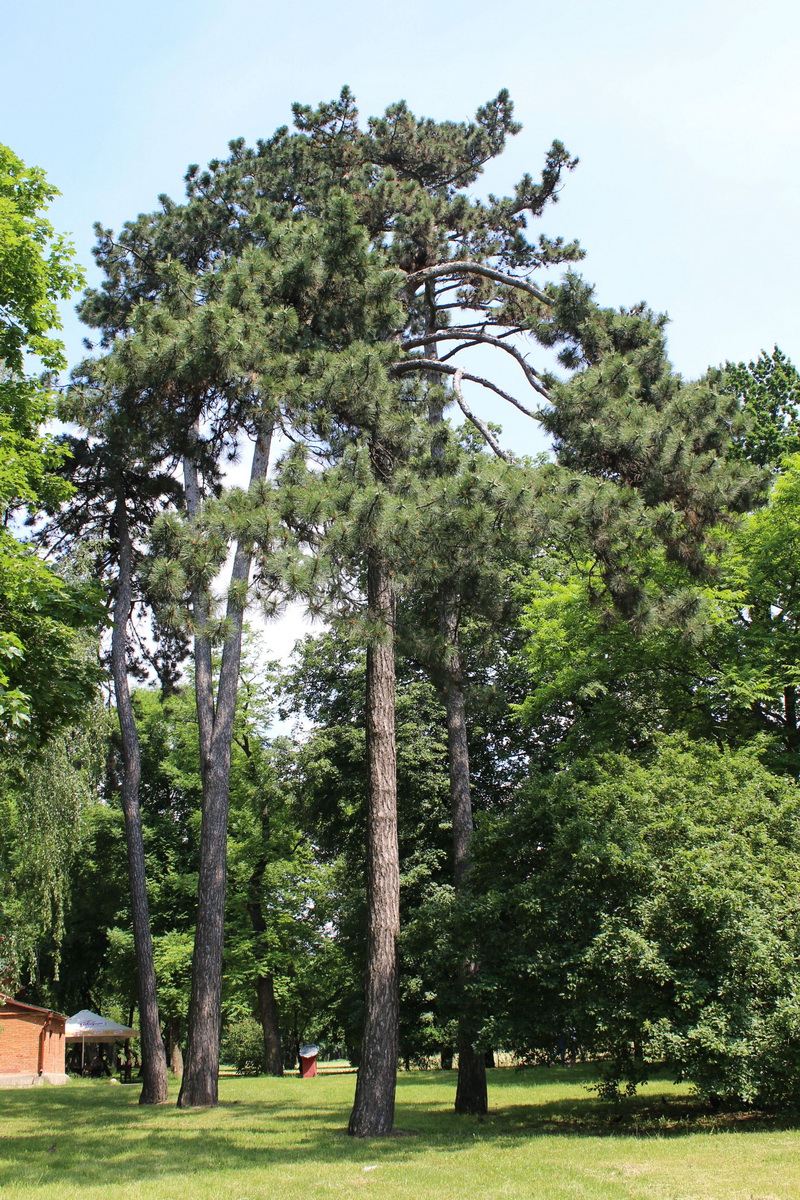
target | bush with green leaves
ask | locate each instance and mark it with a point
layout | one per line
(649, 908)
(242, 1046)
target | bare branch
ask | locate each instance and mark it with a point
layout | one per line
(485, 432)
(435, 364)
(465, 267)
(475, 339)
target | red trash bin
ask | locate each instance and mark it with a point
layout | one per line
(308, 1061)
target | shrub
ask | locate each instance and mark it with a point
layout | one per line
(653, 907)
(243, 1046)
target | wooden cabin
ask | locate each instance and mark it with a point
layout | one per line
(32, 1045)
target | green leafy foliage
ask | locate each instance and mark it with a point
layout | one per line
(48, 662)
(46, 795)
(243, 1046)
(718, 659)
(764, 564)
(36, 267)
(592, 682)
(649, 909)
(643, 456)
(42, 614)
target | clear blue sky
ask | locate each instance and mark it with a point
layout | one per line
(685, 115)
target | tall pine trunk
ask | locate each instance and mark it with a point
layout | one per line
(471, 1093)
(201, 1064)
(199, 1087)
(154, 1060)
(373, 1110)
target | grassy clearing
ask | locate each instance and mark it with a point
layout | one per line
(284, 1139)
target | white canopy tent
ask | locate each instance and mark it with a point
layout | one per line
(87, 1026)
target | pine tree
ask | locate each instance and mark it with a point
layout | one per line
(214, 347)
(769, 393)
(188, 353)
(395, 224)
(644, 457)
(408, 178)
(120, 486)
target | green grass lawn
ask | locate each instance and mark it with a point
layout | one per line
(546, 1136)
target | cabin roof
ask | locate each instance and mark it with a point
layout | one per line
(8, 1001)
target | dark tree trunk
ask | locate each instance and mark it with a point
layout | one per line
(471, 1094)
(265, 989)
(270, 1026)
(175, 1049)
(373, 1111)
(199, 1087)
(457, 747)
(295, 1043)
(154, 1062)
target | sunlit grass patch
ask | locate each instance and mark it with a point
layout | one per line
(285, 1139)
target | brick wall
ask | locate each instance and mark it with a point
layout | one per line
(19, 1042)
(54, 1048)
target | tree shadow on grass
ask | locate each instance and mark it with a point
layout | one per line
(658, 1110)
(99, 1136)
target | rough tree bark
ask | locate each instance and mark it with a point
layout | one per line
(199, 1087)
(373, 1110)
(154, 1061)
(270, 1026)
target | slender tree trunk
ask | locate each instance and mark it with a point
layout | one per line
(295, 1043)
(373, 1111)
(199, 1087)
(457, 747)
(175, 1050)
(201, 1067)
(265, 987)
(154, 1062)
(471, 1093)
(176, 1061)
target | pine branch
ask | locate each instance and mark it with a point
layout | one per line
(486, 433)
(478, 339)
(464, 267)
(129, 250)
(435, 364)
